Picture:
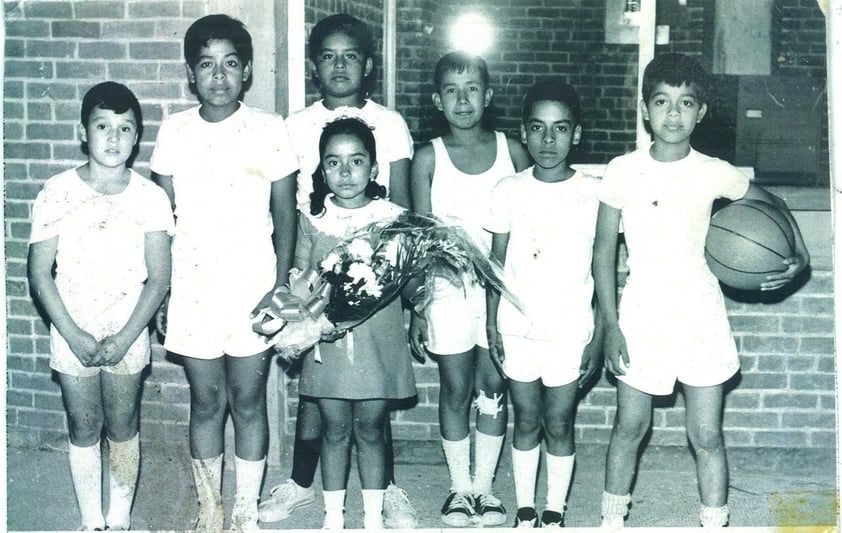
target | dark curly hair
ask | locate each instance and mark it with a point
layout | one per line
(343, 126)
(675, 70)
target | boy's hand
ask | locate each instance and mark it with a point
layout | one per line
(264, 302)
(591, 361)
(615, 351)
(333, 335)
(495, 348)
(113, 349)
(418, 337)
(794, 266)
(84, 346)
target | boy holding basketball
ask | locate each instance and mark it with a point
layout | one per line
(664, 194)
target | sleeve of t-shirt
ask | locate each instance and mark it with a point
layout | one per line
(158, 208)
(731, 182)
(162, 160)
(47, 214)
(610, 191)
(284, 160)
(399, 140)
(498, 219)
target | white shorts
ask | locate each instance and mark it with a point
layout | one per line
(210, 307)
(670, 340)
(101, 312)
(456, 318)
(555, 363)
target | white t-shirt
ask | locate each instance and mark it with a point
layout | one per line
(666, 212)
(222, 176)
(391, 136)
(101, 236)
(551, 229)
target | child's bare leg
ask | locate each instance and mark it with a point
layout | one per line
(492, 417)
(368, 436)
(208, 399)
(369, 417)
(559, 415)
(490, 388)
(121, 395)
(704, 429)
(456, 373)
(247, 399)
(634, 415)
(337, 425)
(527, 402)
(82, 400)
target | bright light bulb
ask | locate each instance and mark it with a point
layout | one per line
(471, 33)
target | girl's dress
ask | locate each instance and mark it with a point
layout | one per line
(372, 360)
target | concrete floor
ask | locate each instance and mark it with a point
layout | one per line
(771, 489)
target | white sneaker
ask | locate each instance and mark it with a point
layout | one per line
(398, 513)
(244, 516)
(284, 499)
(211, 518)
(333, 522)
(612, 524)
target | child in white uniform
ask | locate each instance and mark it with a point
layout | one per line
(341, 54)
(664, 194)
(452, 177)
(229, 172)
(105, 229)
(543, 222)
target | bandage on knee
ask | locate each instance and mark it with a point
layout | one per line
(491, 406)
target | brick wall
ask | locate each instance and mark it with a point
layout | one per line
(56, 50)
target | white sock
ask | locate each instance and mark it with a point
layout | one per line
(713, 517)
(249, 477)
(373, 508)
(123, 467)
(86, 471)
(207, 474)
(486, 454)
(559, 474)
(525, 467)
(334, 507)
(457, 454)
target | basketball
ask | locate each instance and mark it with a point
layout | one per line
(747, 241)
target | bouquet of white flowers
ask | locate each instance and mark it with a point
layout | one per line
(366, 271)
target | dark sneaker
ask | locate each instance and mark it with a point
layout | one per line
(526, 517)
(552, 520)
(459, 510)
(491, 510)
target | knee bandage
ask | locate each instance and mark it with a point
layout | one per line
(490, 406)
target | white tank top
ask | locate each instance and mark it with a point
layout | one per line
(465, 197)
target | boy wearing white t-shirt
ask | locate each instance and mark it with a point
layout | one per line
(543, 222)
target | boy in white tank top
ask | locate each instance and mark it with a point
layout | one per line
(452, 177)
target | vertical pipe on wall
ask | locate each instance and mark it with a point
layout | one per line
(646, 52)
(390, 46)
(833, 13)
(296, 57)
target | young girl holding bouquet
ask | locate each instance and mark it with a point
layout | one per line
(352, 374)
